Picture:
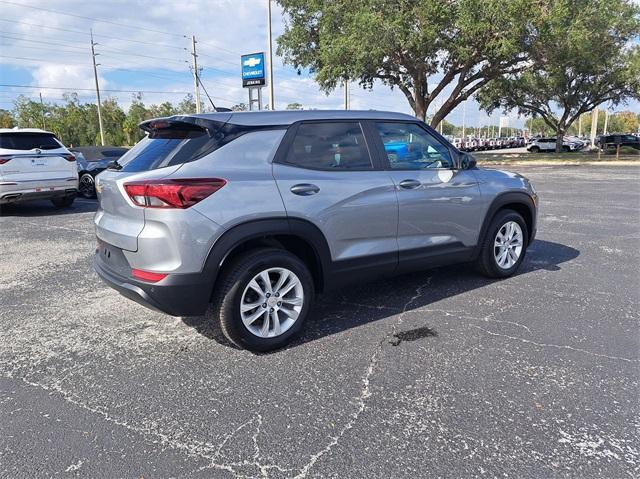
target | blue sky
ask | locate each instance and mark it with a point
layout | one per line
(144, 45)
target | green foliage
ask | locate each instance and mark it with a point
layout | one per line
(294, 106)
(77, 124)
(240, 107)
(6, 119)
(582, 55)
(420, 47)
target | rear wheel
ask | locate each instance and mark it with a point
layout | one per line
(263, 299)
(86, 186)
(534, 149)
(504, 245)
(566, 149)
(63, 201)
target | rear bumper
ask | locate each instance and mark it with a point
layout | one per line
(11, 191)
(177, 294)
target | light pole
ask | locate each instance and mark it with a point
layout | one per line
(270, 54)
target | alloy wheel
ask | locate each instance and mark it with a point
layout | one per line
(507, 246)
(272, 302)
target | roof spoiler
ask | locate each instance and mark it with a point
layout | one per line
(182, 121)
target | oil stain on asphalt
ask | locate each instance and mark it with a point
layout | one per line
(412, 335)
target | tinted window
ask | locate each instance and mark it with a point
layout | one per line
(28, 141)
(409, 147)
(170, 146)
(329, 146)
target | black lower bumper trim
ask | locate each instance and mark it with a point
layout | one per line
(177, 295)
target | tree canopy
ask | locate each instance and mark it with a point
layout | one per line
(582, 55)
(76, 123)
(424, 48)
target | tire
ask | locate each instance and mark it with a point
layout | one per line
(487, 262)
(566, 149)
(86, 186)
(63, 201)
(233, 290)
(534, 149)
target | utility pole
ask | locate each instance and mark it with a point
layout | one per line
(95, 75)
(196, 83)
(270, 54)
(346, 95)
(44, 121)
(594, 126)
(580, 126)
(464, 116)
(606, 121)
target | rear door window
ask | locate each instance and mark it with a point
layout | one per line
(338, 145)
(28, 141)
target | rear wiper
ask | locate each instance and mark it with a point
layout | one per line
(114, 165)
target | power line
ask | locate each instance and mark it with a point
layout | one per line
(22, 5)
(41, 60)
(79, 32)
(39, 87)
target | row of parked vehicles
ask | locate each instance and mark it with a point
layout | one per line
(34, 164)
(481, 144)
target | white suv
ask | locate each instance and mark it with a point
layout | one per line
(35, 165)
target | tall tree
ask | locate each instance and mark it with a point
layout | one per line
(438, 48)
(583, 53)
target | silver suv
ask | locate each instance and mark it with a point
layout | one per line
(256, 212)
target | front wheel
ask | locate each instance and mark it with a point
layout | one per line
(263, 299)
(534, 149)
(504, 245)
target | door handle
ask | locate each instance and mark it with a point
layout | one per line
(304, 189)
(410, 184)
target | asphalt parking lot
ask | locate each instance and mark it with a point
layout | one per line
(438, 374)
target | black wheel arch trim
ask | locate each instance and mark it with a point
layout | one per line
(504, 199)
(256, 229)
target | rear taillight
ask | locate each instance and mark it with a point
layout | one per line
(149, 276)
(69, 157)
(5, 158)
(179, 193)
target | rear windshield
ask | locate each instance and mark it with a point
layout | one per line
(179, 144)
(28, 141)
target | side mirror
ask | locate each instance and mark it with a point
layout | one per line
(467, 161)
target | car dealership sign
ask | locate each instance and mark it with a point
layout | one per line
(253, 69)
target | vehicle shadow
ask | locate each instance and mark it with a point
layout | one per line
(46, 208)
(340, 310)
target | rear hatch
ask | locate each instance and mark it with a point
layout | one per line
(169, 144)
(33, 159)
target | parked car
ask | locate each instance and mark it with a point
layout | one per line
(256, 212)
(91, 161)
(549, 144)
(34, 165)
(611, 142)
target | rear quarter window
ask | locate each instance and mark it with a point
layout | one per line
(29, 141)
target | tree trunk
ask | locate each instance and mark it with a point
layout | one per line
(559, 139)
(420, 108)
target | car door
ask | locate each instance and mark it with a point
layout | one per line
(325, 174)
(439, 204)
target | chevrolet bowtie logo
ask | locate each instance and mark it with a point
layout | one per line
(252, 62)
